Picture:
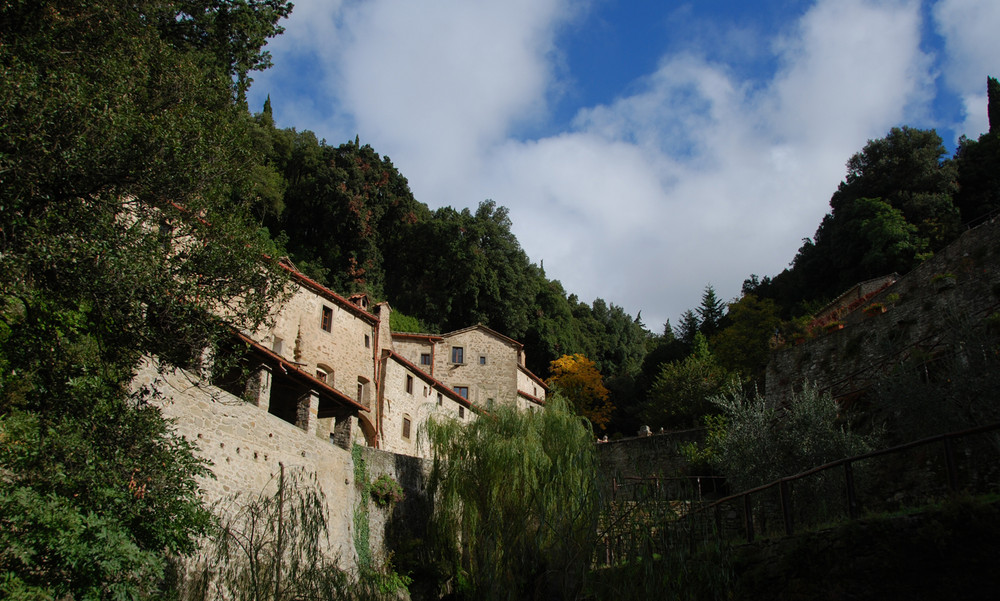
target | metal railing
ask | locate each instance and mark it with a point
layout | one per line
(891, 479)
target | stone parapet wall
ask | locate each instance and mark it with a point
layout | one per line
(246, 446)
(960, 283)
(645, 456)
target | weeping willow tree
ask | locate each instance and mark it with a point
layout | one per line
(517, 501)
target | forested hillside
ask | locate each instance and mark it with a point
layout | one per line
(349, 220)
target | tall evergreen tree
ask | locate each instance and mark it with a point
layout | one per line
(993, 104)
(710, 312)
(688, 327)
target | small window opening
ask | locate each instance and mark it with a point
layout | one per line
(327, 321)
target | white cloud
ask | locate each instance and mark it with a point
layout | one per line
(972, 52)
(694, 176)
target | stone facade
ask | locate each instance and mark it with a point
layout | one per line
(247, 447)
(337, 371)
(478, 363)
(409, 397)
(328, 336)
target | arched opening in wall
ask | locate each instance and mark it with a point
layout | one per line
(324, 373)
(368, 429)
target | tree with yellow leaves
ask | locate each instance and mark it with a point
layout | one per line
(578, 379)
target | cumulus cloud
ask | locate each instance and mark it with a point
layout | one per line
(972, 52)
(698, 173)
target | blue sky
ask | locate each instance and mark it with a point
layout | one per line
(644, 149)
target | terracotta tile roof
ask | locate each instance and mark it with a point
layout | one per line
(325, 292)
(295, 371)
(428, 337)
(533, 399)
(488, 330)
(533, 377)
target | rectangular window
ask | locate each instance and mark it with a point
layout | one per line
(462, 391)
(406, 427)
(409, 384)
(327, 322)
(461, 412)
(457, 354)
(425, 358)
(368, 341)
(440, 399)
(482, 359)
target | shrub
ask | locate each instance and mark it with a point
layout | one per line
(385, 491)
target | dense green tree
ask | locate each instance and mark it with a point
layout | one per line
(710, 312)
(993, 104)
(680, 395)
(126, 165)
(894, 209)
(461, 268)
(345, 209)
(552, 329)
(978, 164)
(745, 345)
(688, 327)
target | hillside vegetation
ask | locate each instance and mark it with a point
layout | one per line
(141, 199)
(348, 219)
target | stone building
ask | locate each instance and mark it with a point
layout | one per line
(332, 366)
(477, 363)
(408, 397)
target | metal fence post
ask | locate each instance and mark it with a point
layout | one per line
(949, 459)
(852, 496)
(785, 494)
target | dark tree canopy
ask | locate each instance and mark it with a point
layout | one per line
(127, 187)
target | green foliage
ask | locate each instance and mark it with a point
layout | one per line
(125, 216)
(386, 492)
(405, 323)
(896, 206)
(703, 459)
(763, 442)
(533, 469)
(375, 579)
(978, 161)
(745, 345)
(993, 104)
(710, 312)
(681, 394)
